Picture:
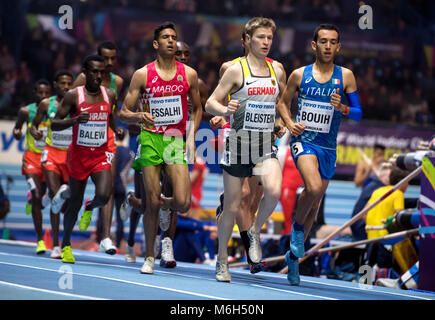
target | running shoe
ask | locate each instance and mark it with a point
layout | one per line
(148, 266)
(167, 259)
(255, 253)
(56, 253)
(59, 199)
(107, 246)
(67, 256)
(40, 247)
(255, 267)
(28, 208)
(293, 270)
(297, 243)
(165, 219)
(129, 255)
(85, 219)
(220, 208)
(126, 208)
(222, 271)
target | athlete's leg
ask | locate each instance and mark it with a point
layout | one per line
(77, 188)
(314, 187)
(232, 194)
(54, 182)
(103, 189)
(181, 188)
(271, 180)
(312, 214)
(151, 178)
(36, 186)
(107, 209)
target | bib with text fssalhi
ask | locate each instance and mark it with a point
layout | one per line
(166, 110)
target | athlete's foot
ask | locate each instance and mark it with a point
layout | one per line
(129, 255)
(59, 199)
(40, 247)
(126, 208)
(293, 270)
(222, 271)
(86, 217)
(254, 246)
(107, 246)
(167, 259)
(166, 202)
(67, 256)
(255, 267)
(56, 253)
(297, 242)
(148, 266)
(220, 208)
(164, 219)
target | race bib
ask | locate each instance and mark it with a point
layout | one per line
(296, 148)
(259, 116)
(166, 110)
(316, 116)
(40, 144)
(92, 134)
(61, 139)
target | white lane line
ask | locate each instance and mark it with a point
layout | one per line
(120, 280)
(49, 291)
(300, 293)
(377, 289)
(195, 277)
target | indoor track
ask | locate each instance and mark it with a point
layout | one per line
(98, 276)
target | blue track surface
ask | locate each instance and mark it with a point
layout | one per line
(25, 275)
(341, 196)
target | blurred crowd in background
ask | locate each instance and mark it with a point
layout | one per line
(390, 89)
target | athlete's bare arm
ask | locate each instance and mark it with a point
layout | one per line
(283, 105)
(119, 84)
(224, 67)
(196, 114)
(231, 81)
(279, 128)
(127, 115)
(23, 117)
(68, 107)
(192, 79)
(79, 81)
(41, 112)
(112, 122)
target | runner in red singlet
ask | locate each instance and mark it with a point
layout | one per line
(163, 87)
(89, 155)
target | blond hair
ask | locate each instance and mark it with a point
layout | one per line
(258, 22)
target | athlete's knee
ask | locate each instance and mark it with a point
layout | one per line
(314, 190)
(183, 206)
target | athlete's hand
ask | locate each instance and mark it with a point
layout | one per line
(296, 129)
(36, 134)
(120, 134)
(232, 107)
(336, 101)
(217, 122)
(279, 130)
(82, 118)
(17, 134)
(146, 119)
